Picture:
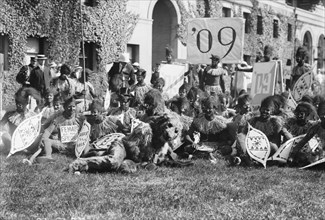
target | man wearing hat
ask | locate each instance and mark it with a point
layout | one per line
(121, 70)
(213, 80)
(24, 73)
(40, 77)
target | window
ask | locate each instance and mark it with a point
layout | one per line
(4, 42)
(90, 56)
(226, 12)
(133, 50)
(275, 28)
(289, 38)
(259, 25)
(247, 59)
(247, 17)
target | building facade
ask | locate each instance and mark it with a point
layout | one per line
(284, 24)
(286, 21)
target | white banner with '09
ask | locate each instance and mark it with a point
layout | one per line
(219, 36)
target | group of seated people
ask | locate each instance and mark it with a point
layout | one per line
(156, 130)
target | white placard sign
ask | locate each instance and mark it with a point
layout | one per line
(173, 75)
(83, 139)
(219, 36)
(26, 133)
(69, 133)
(263, 81)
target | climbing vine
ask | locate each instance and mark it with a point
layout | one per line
(108, 24)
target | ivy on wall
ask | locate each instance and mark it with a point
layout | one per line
(110, 27)
(107, 24)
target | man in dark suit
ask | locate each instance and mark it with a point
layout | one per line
(24, 73)
(40, 76)
(121, 71)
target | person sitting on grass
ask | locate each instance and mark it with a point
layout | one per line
(140, 89)
(49, 108)
(123, 115)
(85, 90)
(12, 119)
(301, 154)
(159, 85)
(180, 104)
(223, 109)
(62, 132)
(303, 119)
(205, 129)
(195, 97)
(272, 126)
(100, 124)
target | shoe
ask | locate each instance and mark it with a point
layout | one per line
(28, 162)
(237, 161)
(177, 163)
(150, 166)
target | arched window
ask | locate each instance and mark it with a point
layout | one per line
(308, 42)
(321, 52)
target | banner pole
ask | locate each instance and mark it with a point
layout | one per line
(83, 54)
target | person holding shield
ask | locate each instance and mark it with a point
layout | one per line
(62, 132)
(301, 68)
(302, 154)
(12, 119)
(303, 119)
(213, 77)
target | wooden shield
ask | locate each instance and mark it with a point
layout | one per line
(106, 141)
(257, 145)
(283, 152)
(302, 86)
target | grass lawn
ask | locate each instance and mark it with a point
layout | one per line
(203, 191)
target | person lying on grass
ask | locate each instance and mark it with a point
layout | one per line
(12, 119)
(302, 154)
(62, 132)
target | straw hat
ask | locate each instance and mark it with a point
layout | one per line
(124, 57)
(41, 57)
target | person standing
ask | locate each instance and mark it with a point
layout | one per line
(121, 70)
(213, 77)
(24, 73)
(301, 68)
(40, 77)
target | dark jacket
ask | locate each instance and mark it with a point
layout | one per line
(23, 74)
(40, 80)
(121, 74)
